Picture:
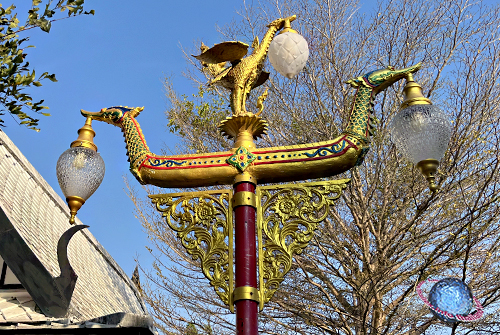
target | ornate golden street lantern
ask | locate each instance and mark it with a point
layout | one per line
(80, 169)
(282, 218)
(421, 131)
(288, 52)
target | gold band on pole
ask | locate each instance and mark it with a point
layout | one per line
(246, 293)
(244, 198)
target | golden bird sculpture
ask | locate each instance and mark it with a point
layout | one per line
(243, 74)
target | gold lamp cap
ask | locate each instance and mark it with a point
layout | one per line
(413, 94)
(288, 28)
(85, 136)
(429, 168)
(74, 204)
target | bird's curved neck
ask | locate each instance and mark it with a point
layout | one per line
(359, 120)
(137, 149)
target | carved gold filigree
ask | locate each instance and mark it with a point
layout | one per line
(203, 222)
(288, 216)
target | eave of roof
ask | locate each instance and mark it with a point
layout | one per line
(109, 324)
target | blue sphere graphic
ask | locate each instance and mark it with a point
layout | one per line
(453, 296)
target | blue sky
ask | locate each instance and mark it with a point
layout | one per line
(116, 57)
(119, 56)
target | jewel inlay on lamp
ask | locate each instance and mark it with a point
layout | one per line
(288, 52)
(421, 131)
(80, 169)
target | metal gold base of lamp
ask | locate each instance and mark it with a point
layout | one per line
(429, 167)
(74, 204)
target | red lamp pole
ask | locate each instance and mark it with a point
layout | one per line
(245, 263)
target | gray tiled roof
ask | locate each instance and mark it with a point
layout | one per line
(19, 307)
(40, 217)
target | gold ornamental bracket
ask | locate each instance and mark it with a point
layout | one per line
(203, 222)
(287, 216)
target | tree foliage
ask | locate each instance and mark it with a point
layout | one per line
(386, 233)
(15, 72)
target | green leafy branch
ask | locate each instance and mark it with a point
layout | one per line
(15, 72)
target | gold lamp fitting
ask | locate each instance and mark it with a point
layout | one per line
(287, 27)
(429, 167)
(85, 136)
(74, 204)
(413, 94)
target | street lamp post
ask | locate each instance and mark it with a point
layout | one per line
(271, 223)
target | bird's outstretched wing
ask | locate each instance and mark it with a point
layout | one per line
(224, 52)
(220, 75)
(264, 75)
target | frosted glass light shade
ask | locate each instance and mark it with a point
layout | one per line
(80, 172)
(288, 53)
(421, 132)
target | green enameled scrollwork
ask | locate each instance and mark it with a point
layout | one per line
(203, 222)
(288, 216)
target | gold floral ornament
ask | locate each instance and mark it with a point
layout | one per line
(291, 205)
(205, 213)
(288, 216)
(203, 222)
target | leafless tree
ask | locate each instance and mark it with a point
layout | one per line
(387, 232)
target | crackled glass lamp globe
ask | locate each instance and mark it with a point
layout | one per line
(80, 170)
(288, 52)
(421, 131)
